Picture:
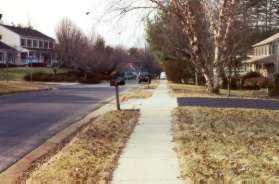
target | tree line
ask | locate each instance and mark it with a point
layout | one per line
(91, 57)
(199, 39)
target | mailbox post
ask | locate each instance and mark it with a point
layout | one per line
(117, 97)
(116, 82)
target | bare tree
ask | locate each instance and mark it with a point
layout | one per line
(87, 56)
(208, 26)
(72, 44)
(167, 42)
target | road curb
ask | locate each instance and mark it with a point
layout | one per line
(14, 173)
(17, 172)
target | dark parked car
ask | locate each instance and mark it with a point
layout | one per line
(144, 78)
(119, 79)
(129, 76)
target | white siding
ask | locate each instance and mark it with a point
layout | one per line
(10, 38)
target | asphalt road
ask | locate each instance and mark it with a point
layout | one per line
(29, 119)
(229, 103)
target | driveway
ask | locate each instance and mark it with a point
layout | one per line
(29, 119)
(228, 103)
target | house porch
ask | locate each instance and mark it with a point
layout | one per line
(265, 65)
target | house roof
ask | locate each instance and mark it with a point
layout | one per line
(6, 47)
(271, 39)
(259, 60)
(27, 32)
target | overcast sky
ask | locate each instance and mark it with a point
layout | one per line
(45, 15)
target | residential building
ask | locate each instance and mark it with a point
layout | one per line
(264, 57)
(31, 45)
(7, 54)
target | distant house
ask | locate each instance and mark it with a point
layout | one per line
(31, 45)
(264, 57)
(7, 54)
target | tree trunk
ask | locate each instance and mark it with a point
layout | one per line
(196, 77)
(213, 81)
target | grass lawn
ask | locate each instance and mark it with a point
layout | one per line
(19, 86)
(91, 156)
(185, 90)
(18, 73)
(136, 94)
(154, 84)
(228, 146)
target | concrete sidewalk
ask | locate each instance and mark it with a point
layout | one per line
(149, 157)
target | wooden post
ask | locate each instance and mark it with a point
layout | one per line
(117, 97)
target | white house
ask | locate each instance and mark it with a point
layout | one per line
(7, 54)
(31, 45)
(264, 58)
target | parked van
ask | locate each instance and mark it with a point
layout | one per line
(163, 75)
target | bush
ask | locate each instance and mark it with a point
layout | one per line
(63, 77)
(250, 83)
(179, 70)
(50, 77)
(37, 65)
(9, 65)
(234, 83)
(256, 83)
(92, 79)
(273, 88)
(251, 75)
(263, 82)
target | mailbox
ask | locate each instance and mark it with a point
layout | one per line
(117, 81)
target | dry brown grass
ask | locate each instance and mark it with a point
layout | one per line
(140, 93)
(227, 146)
(143, 92)
(185, 90)
(7, 87)
(154, 85)
(90, 157)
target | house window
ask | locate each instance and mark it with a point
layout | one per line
(46, 45)
(41, 44)
(35, 43)
(23, 42)
(50, 44)
(11, 58)
(1, 57)
(29, 43)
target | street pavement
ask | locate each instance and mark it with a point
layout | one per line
(229, 103)
(27, 120)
